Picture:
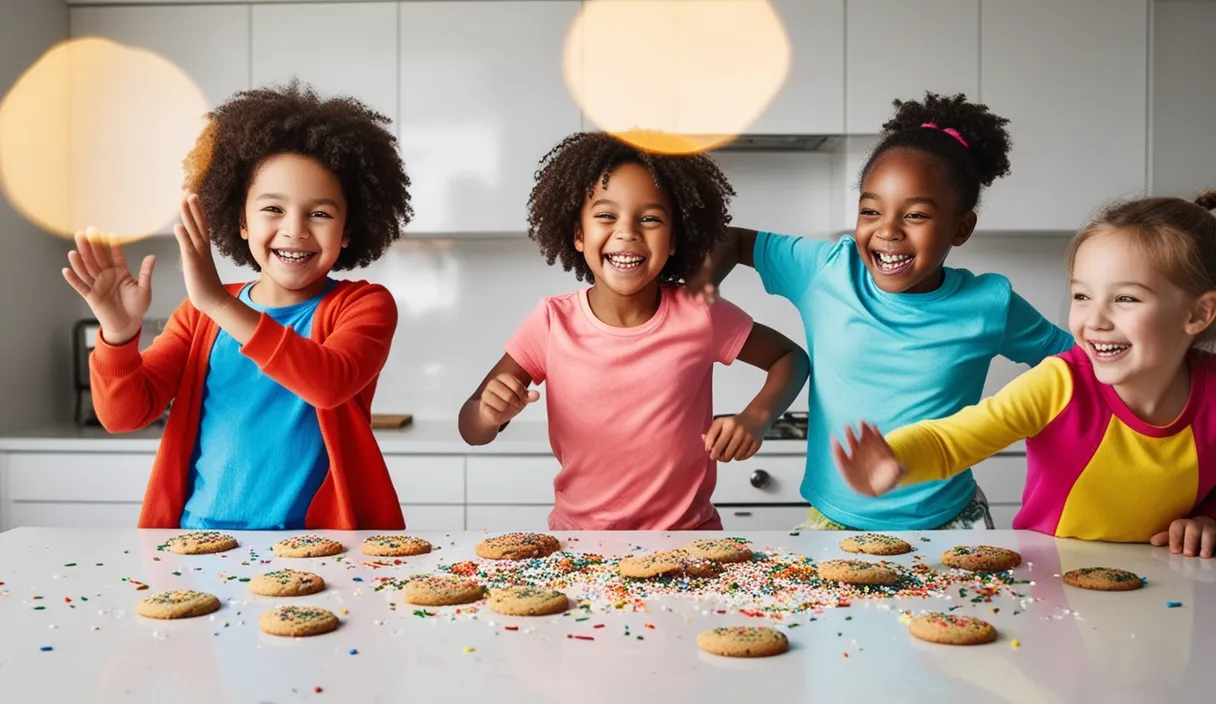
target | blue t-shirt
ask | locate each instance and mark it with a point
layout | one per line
(260, 457)
(894, 359)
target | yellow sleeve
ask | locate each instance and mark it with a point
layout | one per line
(939, 449)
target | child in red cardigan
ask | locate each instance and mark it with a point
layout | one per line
(271, 381)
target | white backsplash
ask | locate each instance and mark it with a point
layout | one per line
(460, 300)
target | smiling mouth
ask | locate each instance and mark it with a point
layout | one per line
(892, 264)
(1108, 351)
(625, 263)
(293, 257)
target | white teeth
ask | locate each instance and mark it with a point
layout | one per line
(1108, 349)
(625, 261)
(293, 256)
(893, 258)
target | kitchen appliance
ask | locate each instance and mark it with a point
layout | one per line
(84, 339)
(790, 426)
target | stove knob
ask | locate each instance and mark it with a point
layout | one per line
(759, 479)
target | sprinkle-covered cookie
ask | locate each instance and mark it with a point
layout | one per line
(856, 572)
(297, 621)
(518, 546)
(307, 546)
(949, 629)
(718, 550)
(1103, 579)
(441, 590)
(201, 542)
(182, 603)
(672, 563)
(395, 546)
(528, 601)
(286, 583)
(743, 642)
(875, 544)
(981, 558)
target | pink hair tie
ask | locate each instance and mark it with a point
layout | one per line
(950, 131)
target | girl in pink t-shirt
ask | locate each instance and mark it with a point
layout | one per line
(628, 363)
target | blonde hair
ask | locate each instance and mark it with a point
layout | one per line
(1177, 236)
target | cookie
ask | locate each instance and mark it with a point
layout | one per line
(743, 641)
(307, 546)
(673, 563)
(875, 544)
(981, 558)
(298, 621)
(1103, 579)
(201, 542)
(395, 546)
(723, 550)
(949, 629)
(286, 583)
(528, 601)
(442, 590)
(183, 603)
(518, 546)
(856, 572)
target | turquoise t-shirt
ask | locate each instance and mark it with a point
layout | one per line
(894, 359)
(260, 457)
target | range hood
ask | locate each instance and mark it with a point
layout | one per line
(782, 143)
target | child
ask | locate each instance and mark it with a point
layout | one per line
(629, 361)
(271, 382)
(894, 334)
(1121, 429)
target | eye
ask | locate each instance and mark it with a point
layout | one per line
(605, 216)
(1126, 299)
(1080, 297)
(868, 211)
(917, 216)
(319, 214)
(652, 218)
(272, 209)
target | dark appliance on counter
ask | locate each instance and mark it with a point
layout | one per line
(84, 339)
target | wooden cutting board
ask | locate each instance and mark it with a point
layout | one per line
(383, 421)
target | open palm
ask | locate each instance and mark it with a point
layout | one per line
(869, 465)
(99, 273)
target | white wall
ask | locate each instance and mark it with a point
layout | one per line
(460, 300)
(38, 307)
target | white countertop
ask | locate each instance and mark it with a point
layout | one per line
(1075, 645)
(419, 438)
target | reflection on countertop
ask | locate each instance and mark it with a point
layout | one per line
(420, 438)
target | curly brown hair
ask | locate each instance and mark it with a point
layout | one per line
(969, 169)
(568, 174)
(342, 134)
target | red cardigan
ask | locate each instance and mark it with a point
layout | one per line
(335, 371)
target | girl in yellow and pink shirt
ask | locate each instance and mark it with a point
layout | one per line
(628, 362)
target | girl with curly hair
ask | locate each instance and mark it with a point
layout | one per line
(895, 335)
(271, 382)
(628, 362)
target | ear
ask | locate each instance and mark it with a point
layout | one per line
(966, 226)
(578, 238)
(1202, 314)
(244, 230)
(345, 239)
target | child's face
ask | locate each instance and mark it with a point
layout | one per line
(625, 230)
(295, 221)
(907, 221)
(1132, 321)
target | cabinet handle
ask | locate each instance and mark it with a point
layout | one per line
(759, 478)
(743, 514)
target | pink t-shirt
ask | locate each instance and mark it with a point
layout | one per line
(627, 408)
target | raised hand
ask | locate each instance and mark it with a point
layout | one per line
(504, 398)
(869, 465)
(99, 273)
(203, 285)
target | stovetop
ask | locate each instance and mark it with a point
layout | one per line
(790, 426)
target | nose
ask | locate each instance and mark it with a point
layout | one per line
(627, 230)
(294, 226)
(1098, 318)
(889, 229)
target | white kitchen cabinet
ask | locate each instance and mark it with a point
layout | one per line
(520, 479)
(762, 517)
(495, 518)
(209, 42)
(482, 100)
(70, 515)
(900, 49)
(1072, 78)
(812, 99)
(1002, 515)
(1002, 478)
(427, 479)
(762, 479)
(422, 518)
(1184, 97)
(339, 49)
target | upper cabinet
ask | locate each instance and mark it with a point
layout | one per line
(812, 99)
(900, 49)
(1184, 98)
(482, 100)
(338, 49)
(208, 42)
(1072, 77)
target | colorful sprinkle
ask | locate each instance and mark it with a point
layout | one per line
(354, 651)
(46, 648)
(1173, 604)
(1015, 644)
